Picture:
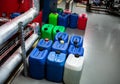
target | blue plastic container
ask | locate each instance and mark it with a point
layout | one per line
(55, 66)
(45, 44)
(73, 20)
(57, 46)
(76, 50)
(13, 15)
(62, 36)
(63, 20)
(37, 61)
(76, 40)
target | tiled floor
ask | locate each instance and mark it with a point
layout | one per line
(102, 51)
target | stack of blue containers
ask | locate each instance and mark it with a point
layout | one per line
(61, 42)
(47, 60)
(73, 20)
(37, 59)
(76, 45)
(63, 20)
(56, 58)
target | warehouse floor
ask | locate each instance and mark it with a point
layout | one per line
(102, 51)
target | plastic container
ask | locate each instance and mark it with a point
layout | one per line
(45, 44)
(62, 36)
(37, 60)
(76, 50)
(82, 21)
(62, 47)
(73, 20)
(13, 15)
(76, 40)
(73, 69)
(47, 31)
(55, 66)
(53, 18)
(57, 29)
(63, 20)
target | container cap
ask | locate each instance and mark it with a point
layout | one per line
(75, 42)
(46, 39)
(57, 52)
(57, 31)
(77, 55)
(41, 48)
(61, 41)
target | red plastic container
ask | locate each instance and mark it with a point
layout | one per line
(82, 21)
(10, 6)
(38, 18)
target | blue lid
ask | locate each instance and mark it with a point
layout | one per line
(55, 58)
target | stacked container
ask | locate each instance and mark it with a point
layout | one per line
(76, 43)
(57, 29)
(47, 31)
(58, 46)
(62, 36)
(37, 61)
(74, 62)
(56, 59)
(45, 44)
(55, 66)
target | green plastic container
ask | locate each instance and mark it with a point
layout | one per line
(53, 18)
(47, 31)
(57, 29)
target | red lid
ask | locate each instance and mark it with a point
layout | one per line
(46, 39)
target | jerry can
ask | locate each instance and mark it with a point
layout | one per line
(57, 29)
(55, 66)
(47, 31)
(37, 60)
(73, 69)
